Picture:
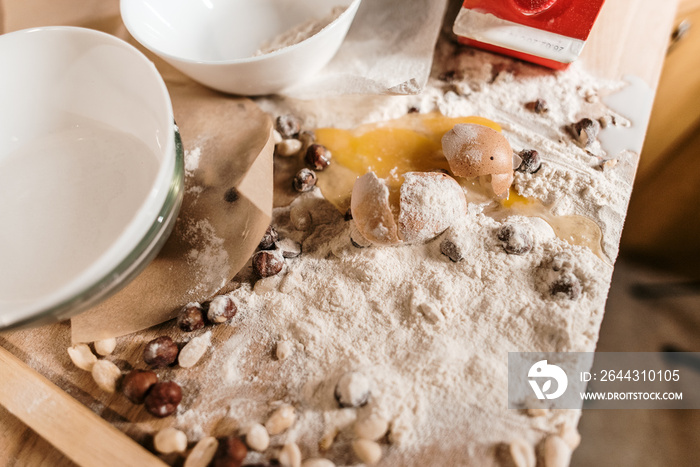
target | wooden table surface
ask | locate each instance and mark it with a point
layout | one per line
(630, 37)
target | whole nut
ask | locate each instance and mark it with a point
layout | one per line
(194, 350)
(539, 106)
(304, 180)
(531, 161)
(586, 131)
(318, 157)
(267, 263)
(522, 453)
(105, 346)
(191, 317)
(160, 352)
(231, 453)
(290, 455)
(451, 249)
(288, 125)
(288, 147)
(289, 248)
(202, 453)
(106, 374)
(137, 383)
(169, 440)
(269, 239)
(367, 451)
(221, 309)
(372, 428)
(257, 437)
(517, 239)
(281, 419)
(284, 350)
(317, 462)
(353, 390)
(82, 356)
(163, 398)
(567, 285)
(556, 452)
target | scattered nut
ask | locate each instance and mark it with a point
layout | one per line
(606, 121)
(269, 239)
(230, 453)
(307, 138)
(202, 453)
(570, 435)
(160, 352)
(284, 350)
(431, 312)
(567, 285)
(290, 282)
(372, 428)
(539, 106)
(288, 125)
(353, 390)
(191, 317)
(317, 462)
(82, 356)
(289, 248)
(449, 248)
(137, 383)
(290, 455)
(517, 239)
(522, 453)
(221, 309)
(257, 437)
(281, 419)
(318, 157)
(169, 440)
(276, 137)
(193, 351)
(105, 346)
(537, 412)
(288, 147)
(268, 263)
(608, 164)
(328, 438)
(367, 451)
(555, 452)
(304, 180)
(531, 161)
(586, 131)
(106, 374)
(163, 398)
(266, 284)
(300, 216)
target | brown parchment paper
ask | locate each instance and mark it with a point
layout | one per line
(229, 141)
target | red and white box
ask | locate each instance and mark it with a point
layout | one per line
(548, 32)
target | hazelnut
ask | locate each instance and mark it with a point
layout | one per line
(318, 157)
(160, 352)
(517, 239)
(230, 453)
(288, 125)
(221, 309)
(268, 263)
(269, 239)
(567, 285)
(586, 131)
(136, 384)
(353, 390)
(531, 161)
(450, 249)
(191, 317)
(539, 106)
(304, 180)
(163, 398)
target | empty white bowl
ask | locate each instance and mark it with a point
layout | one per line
(91, 170)
(214, 41)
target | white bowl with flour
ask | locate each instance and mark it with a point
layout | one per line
(90, 170)
(242, 46)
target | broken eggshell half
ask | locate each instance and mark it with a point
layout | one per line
(474, 150)
(428, 204)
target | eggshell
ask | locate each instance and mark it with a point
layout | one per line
(371, 210)
(472, 150)
(430, 202)
(501, 183)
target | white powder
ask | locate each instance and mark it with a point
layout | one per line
(192, 160)
(209, 258)
(300, 32)
(430, 334)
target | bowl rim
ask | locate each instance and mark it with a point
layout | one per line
(108, 266)
(350, 11)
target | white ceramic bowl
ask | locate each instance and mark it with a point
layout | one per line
(214, 41)
(90, 170)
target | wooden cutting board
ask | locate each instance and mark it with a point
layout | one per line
(630, 38)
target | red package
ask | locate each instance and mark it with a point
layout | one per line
(548, 32)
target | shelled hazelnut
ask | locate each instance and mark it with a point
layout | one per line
(517, 239)
(230, 453)
(269, 239)
(268, 263)
(160, 352)
(221, 309)
(288, 125)
(163, 398)
(539, 106)
(530, 161)
(304, 180)
(137, 383)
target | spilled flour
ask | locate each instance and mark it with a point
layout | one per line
(430, 335)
